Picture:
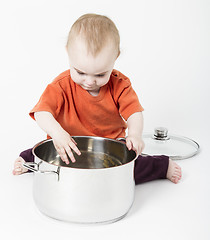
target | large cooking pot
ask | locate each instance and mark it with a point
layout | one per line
(98, 187)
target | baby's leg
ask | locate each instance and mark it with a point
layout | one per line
(25, 156)
(148, 168)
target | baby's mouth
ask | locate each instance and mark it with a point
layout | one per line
(89, 87)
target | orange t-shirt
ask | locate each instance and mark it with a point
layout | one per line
(82, 114)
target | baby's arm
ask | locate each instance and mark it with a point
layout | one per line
(135, 127)
(61, 139)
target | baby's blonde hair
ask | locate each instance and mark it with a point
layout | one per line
(97, 30)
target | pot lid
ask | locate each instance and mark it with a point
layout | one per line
(176, 147)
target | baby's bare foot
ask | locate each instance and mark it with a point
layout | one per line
(174, 172)
(18, 166)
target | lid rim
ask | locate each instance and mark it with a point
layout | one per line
(183, 139)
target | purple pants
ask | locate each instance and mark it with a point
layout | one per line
(147, 168)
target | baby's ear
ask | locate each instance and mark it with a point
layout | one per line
(67, 49)
(118, 55)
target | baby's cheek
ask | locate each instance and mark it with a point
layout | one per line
(104, 81)
(75, 78)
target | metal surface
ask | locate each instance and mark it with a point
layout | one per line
(98, 188)
(161, 133)
(96, 153)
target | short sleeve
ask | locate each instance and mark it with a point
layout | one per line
(125, 96)
(51, 101)
(129, 103)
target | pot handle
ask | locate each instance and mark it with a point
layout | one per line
(34, 167)
(31, 166)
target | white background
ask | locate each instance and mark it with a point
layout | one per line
(166, 53)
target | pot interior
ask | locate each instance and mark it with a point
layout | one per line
(96, 153)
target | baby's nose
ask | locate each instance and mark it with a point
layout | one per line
(90, 80)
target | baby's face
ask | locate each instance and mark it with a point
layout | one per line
(90, 72)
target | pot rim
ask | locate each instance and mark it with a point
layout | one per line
(92, 137)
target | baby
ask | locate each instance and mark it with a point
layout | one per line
(93, 99)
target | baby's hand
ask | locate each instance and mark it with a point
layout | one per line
(135, 143)
(63, 143)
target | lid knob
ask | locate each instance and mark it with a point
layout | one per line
(161, 133)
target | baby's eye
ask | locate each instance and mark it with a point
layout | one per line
(80, 73)
(100, 75)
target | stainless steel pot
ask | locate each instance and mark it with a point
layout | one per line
(98, 188)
